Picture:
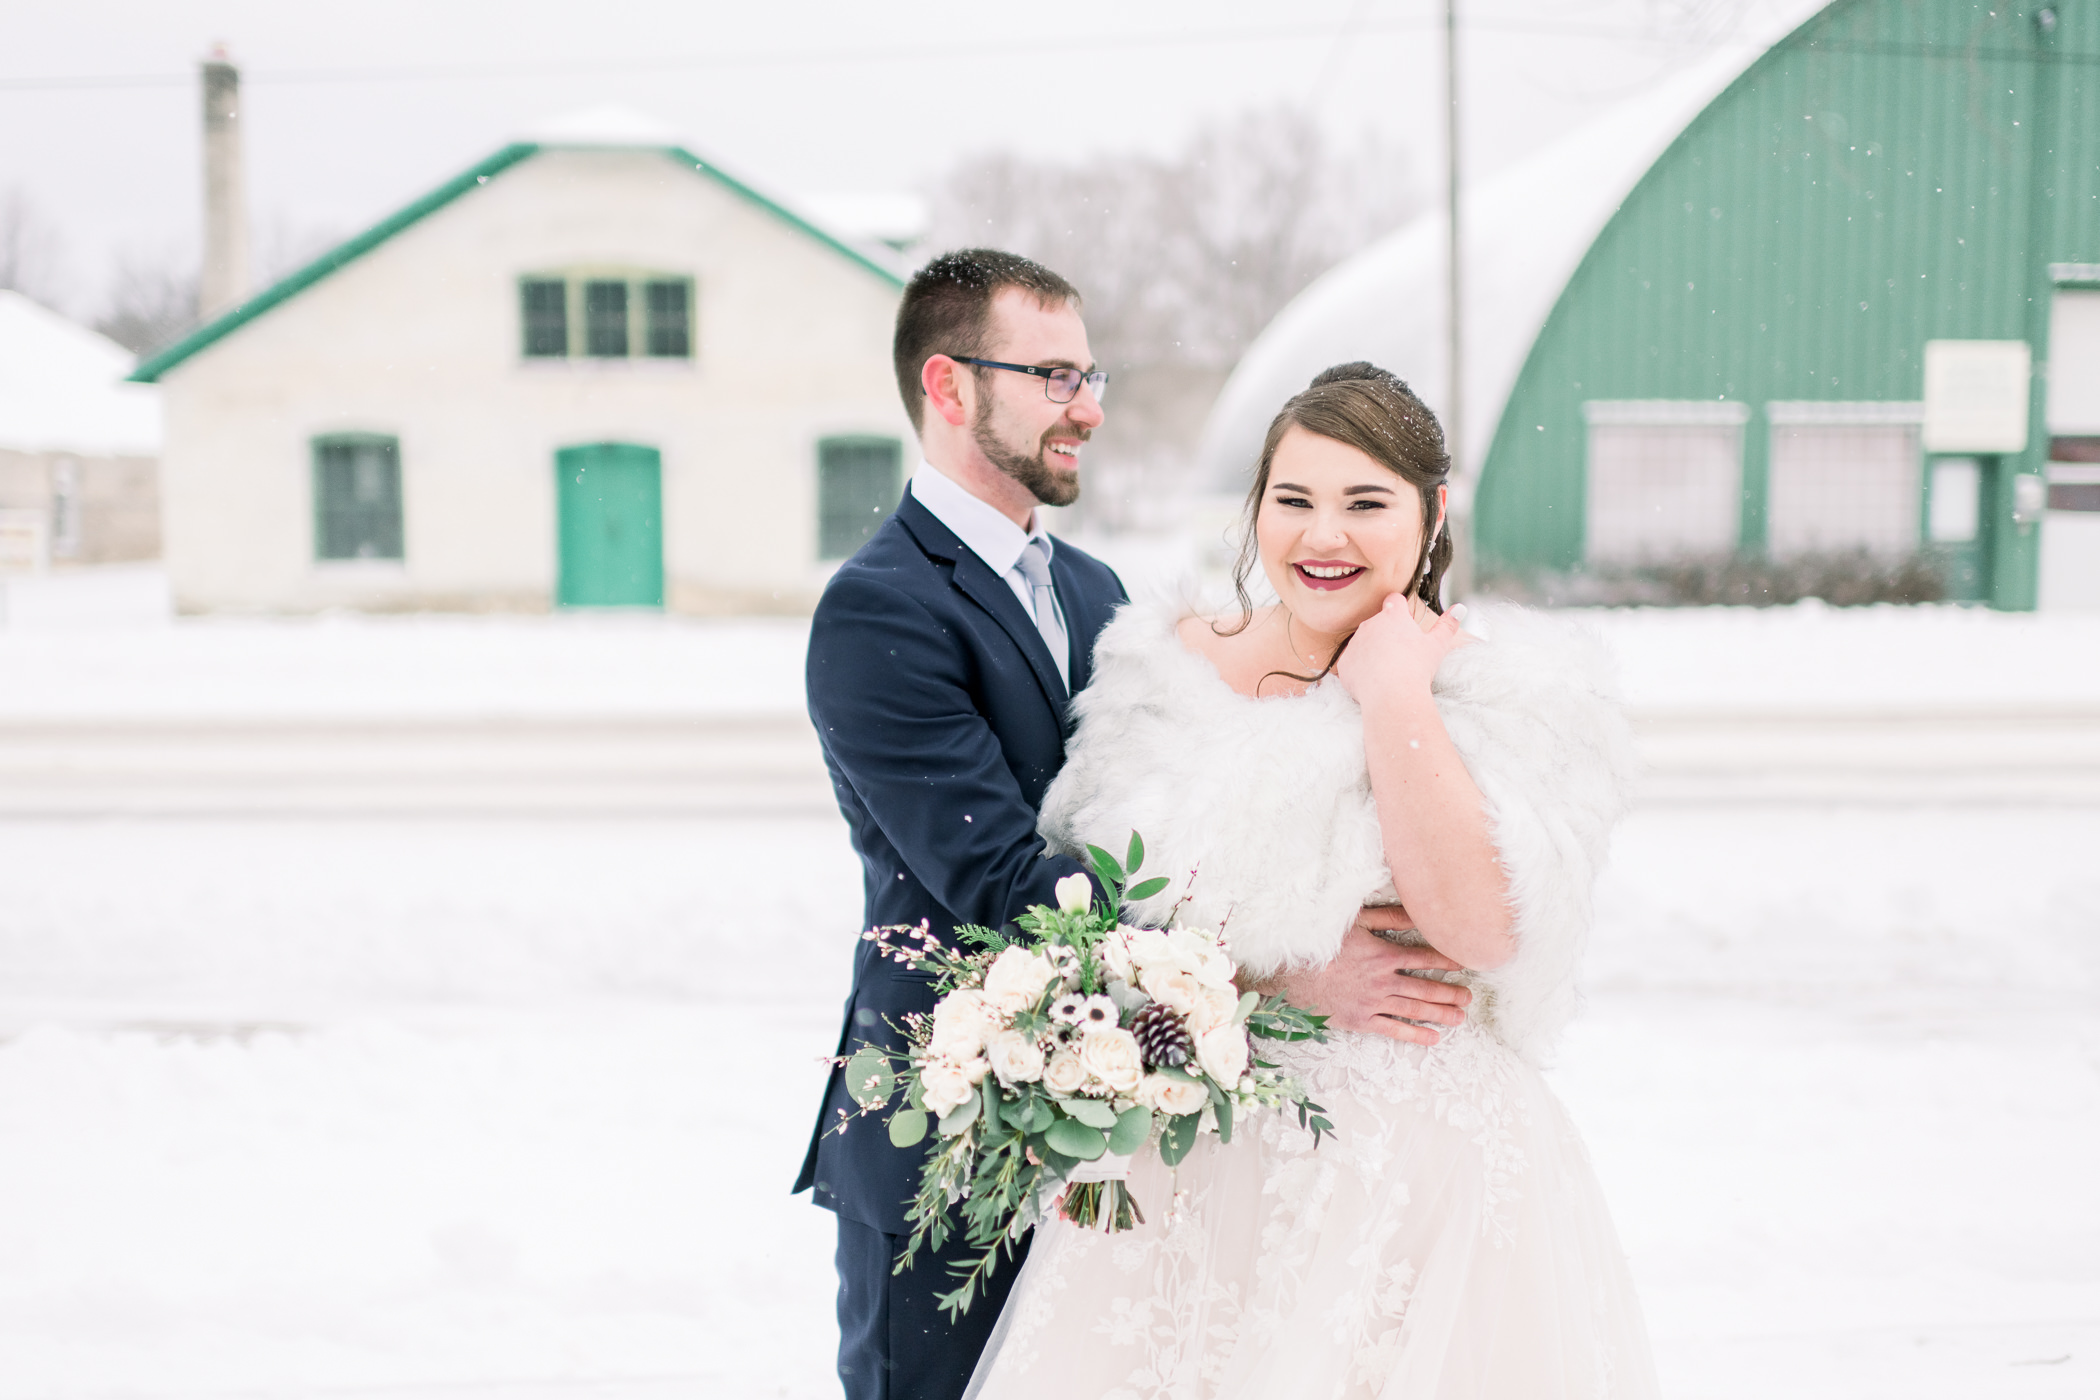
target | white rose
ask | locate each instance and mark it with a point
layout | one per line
(1149, 948)
(1213, 965)
(1015, 1058)
(944, 1086)
(1213, 1008)
(1075, 894)
(961, 1021)
(1115, 954)
(1173, 1097)
(1112, 1056)
(1223, 1053)
(1064, 1074)
(1016, 978)
(1174, 986)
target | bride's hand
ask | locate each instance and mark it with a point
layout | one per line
(1397, 649)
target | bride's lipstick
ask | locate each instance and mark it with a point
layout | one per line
(1327, 574)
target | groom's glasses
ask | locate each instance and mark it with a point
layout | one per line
(1061, 385)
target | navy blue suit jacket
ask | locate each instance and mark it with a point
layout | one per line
(943, 721)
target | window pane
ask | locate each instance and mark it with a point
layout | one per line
(1844, 487)
(357, 498)
(546, 306)
(670, 319)
(1662, 491)
(605, 318)
(858, 483)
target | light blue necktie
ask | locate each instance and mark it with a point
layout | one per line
(1034, 565)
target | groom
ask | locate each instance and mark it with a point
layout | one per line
(942, 659)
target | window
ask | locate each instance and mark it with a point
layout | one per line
(605, 318)
(615, 316)
(546, 316)
(1665, 478)
(670, 333)
(357, 497)
(1849, 476)
(859, 481)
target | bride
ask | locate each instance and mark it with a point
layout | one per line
(1349, 746)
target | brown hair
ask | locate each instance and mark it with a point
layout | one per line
(947, 310)
(1373, 411)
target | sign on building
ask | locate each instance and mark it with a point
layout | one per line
(1976, 395)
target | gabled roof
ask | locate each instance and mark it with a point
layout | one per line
(470, 179)
(62, 388)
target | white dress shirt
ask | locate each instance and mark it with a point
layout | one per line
(992, 537)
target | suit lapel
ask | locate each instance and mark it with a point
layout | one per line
(976, 581)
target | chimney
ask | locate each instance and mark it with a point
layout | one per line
(224, 284)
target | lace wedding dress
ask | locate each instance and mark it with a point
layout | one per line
(1450, 1239)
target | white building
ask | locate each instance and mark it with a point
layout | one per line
(593, 369)
(78, 445)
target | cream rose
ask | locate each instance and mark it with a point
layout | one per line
(1213, 1008)
(1015, 1058)
(1075, 894)
(1176, 987)
(1016, 978)
(1112, 1056)
(944, 1085)
(1149, 949)
(1115, 954)
(1222, 1052)
(960, 1024)
(1064, 1074)
(1173, 1097)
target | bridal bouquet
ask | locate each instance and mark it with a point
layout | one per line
(1053, 1058)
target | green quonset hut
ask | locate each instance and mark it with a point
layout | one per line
(1730, 349)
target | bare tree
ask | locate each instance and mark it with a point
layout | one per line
(32, 254)
(152, 302)
(1183, 260)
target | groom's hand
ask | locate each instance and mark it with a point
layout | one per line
(1366, 988)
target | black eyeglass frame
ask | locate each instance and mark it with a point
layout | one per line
(1095, 379)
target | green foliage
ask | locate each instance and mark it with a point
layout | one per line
(1177, 1138)
(1076, 1139)
(1095, 1113)
(1131, 1131)
(869, 1079)
(908, 1127)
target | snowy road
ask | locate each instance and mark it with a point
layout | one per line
(326, 1108)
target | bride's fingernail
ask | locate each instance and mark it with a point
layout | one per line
(1458, 612)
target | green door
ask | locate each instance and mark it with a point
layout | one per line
(610, 499)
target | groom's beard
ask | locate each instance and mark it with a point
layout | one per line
(1044, 473)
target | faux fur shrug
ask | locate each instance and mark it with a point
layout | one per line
(1261, 810)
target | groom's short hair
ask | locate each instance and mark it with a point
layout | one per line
(947, 310)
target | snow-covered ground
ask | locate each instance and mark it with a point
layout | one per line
(507, 1107)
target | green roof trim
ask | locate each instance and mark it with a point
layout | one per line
(213, 332)
(786, 215)
(284, 290)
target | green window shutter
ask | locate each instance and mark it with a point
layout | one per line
(545, 306)
(357, 497)
(605, 318)
(859, 481)
(669, 305)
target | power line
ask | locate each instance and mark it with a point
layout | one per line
(806, 57)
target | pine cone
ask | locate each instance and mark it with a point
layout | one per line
(1162, 1038)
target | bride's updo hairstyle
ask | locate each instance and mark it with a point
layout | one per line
(1373, 411)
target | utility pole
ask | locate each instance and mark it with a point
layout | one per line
(1458, 580)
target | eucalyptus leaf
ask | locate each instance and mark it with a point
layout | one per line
(1177, 1138)
(1092, 1112)
(907, 1128)
(1040, 1115)
(1076, 1139)
(1224, 1107)
(960, 1117)
(1146, 890)
(1130, 1131)
(869, 1079)
(1246, 1007)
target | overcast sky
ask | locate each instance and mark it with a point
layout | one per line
(352, 110)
